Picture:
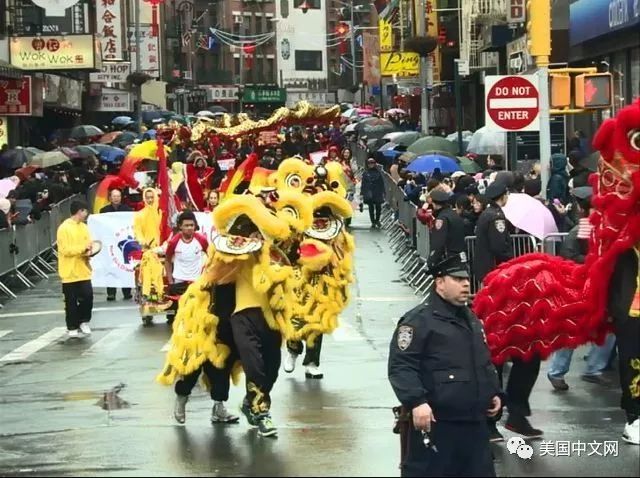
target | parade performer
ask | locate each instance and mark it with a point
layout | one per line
(537, 304)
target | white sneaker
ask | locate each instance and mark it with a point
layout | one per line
(313, 371)
(85, 329)
(632, 432)
(220, 414)
(73, 334)
(289, 363)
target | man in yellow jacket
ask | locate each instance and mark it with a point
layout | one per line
(74, 251)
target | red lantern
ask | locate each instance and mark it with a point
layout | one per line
(248, 50)
(154, 16)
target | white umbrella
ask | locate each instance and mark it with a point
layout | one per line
(396, 111)
(205, 113)
(485, 141)
(351, 128)
(466, 136)
(49, 159)
(350, 113)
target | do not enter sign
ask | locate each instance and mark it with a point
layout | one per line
(511, 103)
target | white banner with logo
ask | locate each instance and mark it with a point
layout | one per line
(113, 72)
(113, 266)
(150, 58)
(112, 100)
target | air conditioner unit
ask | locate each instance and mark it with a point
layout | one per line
(237, 19)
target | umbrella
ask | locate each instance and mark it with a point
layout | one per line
(485, 141)
(69, 152)
(530, 215)
(85, 131)
(122, 120)
(7, 185)
(49, 159)
(351, 128)
(149, 134)
(125, 139)
(26, 172)
(15, 158)
(428, 163)
(469, 166)
(91, 150)
(432, 144)
(466, 136)
(356, 112)
(407, 138)
(590, 162)
(217, 109)
(110, 137)
(209, 114)
(396, 111)
(112, 155)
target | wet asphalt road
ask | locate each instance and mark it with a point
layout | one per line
(54, 421)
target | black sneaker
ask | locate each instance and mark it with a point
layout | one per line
(494, 435)
(246, 411)
(266, 428)
(126, 297)
(111, 298)
(521, 426)
(558, 384)
(597, 379)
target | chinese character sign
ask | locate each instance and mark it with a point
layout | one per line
(150, 58)
(109, 28)
(15, 97)
(4, 131)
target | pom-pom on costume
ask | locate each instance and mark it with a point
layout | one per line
(536, 304)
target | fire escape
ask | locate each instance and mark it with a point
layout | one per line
(476, 14)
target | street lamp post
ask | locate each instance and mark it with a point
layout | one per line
(181, 10)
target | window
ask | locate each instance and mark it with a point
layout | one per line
(308, 60)
(270, 71)
(284, 8)
(635, 73)
(313, 4)
(236, 66)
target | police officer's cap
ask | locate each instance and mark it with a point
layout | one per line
(439, 197)
(583, 192)
(454, 265)
(495, 190)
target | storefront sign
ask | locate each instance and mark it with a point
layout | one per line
(254, 95)
(150, 58)
(71, 52)
(516, 11)
(63, 92)
(589, 19)
(32, 23)
(15, 97)
(112, 72)
(115, 101)
(109, 28)
(385, 32)
(216, 94)
(399, 64)
(317, 98)
(4, 131)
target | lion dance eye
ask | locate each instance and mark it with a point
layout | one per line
(291, 211)
(294, 181)
(634, 139)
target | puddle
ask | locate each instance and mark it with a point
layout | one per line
(111, 400)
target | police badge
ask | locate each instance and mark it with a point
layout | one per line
(500, 225)
(405, 336)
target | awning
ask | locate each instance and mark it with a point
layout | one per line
(7, 70)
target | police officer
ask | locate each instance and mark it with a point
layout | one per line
(441, 371)
(493, 241)
(447, 235)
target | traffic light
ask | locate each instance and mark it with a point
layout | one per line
(560, 88)
(594, 90)
(539, 27)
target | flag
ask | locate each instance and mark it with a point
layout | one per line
(167, 202)
(238, 175)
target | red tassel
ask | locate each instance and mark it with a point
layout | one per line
(154, 21)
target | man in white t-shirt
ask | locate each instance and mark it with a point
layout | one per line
(184, 259)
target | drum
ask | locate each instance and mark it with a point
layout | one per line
(96, 247)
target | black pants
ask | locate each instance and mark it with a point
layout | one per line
(522, 378)
(462, 450)
(219, 379)
(126, 292)
(375, 210)
(259, 350)
(78, 302)
(176, 288)
(312, 356)
(628, 335)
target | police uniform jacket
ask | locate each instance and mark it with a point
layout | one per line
(447, 236)
(493, 241)
(439, 356)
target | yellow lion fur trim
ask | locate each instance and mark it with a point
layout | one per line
(337, 175)
(292, 174)
(269, 225)
(338, 205)
(152, 274)
(296, 209)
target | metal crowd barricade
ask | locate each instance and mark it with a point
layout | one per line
(552, 243)
(6, 258)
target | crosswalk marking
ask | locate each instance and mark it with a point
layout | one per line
(110, 341)
(26, 350)
(61, 311)
(5, 332)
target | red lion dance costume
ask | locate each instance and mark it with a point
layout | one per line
(537, 303)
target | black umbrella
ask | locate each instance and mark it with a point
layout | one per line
(217, 109)
(85, 131)
(14, 158)
(125, 139)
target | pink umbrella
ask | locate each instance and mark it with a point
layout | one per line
(7, 185)
(530, 215)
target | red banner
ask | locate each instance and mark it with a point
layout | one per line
(15, 97)
(268, 137)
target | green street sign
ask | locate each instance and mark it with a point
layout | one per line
(255, 95)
